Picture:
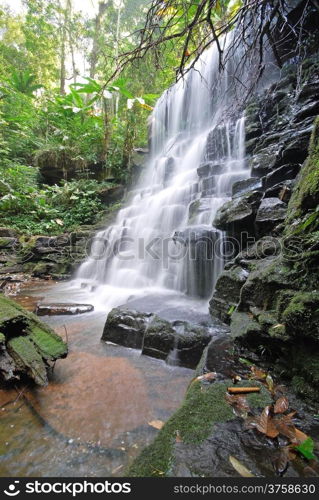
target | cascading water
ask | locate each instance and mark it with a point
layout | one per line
(164, 238)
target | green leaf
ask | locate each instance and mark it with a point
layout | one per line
(306, 449)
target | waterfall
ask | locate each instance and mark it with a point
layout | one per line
(164, 237)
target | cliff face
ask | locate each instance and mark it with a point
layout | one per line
(269, 292)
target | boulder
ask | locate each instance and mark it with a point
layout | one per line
(240, 188)
(198, 206)
(227, 293)
(26, 345)
(111, 194)
(179, 342)
(284, 173)
(271, 212)
(56, 309)
(126, 327)
(238, 214)
(282, 190)
(209, 168)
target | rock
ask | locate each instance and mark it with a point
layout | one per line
(284, 173)
(209, 168)
(301, 316)
(56, 309)
(159, 338)
(7, 232)
(283, 191)
(126, 327)
(243, 325)
(200, 422)
(271, 212)
(238, 214)
(208, 184)
(240, 188)
(309, 109)
(26, 345)
(227, 293)
(111, 194)
(263, 162)
(8, 242)
(198, 206)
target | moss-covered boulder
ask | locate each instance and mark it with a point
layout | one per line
(27, 346)
(197, 420)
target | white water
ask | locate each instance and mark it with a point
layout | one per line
(190, 126)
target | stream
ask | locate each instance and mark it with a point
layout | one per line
(93, 418)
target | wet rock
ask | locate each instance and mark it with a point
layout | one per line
(111, 194)
(243, 325)
(263, 162)
(227, 293)
(197, 207)
(26, 345)
(126, 327)
(309, 109)
(238, 214)
(62, 309)
(240, 188)
(282, 190)
(281, 174)
(271, 212)
(209, 168)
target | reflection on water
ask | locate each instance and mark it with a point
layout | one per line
(92, 419)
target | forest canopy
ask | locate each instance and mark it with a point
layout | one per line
(77, 86)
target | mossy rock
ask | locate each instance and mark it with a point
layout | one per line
(306, 193)
(301, 316)
(203, 407)
(29, 344)
(27, 359)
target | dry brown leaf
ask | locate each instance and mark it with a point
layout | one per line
(286, 427)
(281, 405)
(157, 424)
(266, 424)
(239, 404)
(257, 373)
(300, 436)
(240, 468)
(270, 383)
(209, 377)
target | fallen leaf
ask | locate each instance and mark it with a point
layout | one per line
(59, 222)
(300, 436)
(281, 405)
(239, 404)
(257, 373)
(157, 424)
(208, 376)
(306, 448)
(240, 468)
(266, 424)
(286, 427)
(270, 383)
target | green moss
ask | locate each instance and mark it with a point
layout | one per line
(49, 344)
(306, 193)
(27, 358)
(2, 338)
(194, 421)
(301, 316)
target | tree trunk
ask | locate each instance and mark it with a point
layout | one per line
(95, 48)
